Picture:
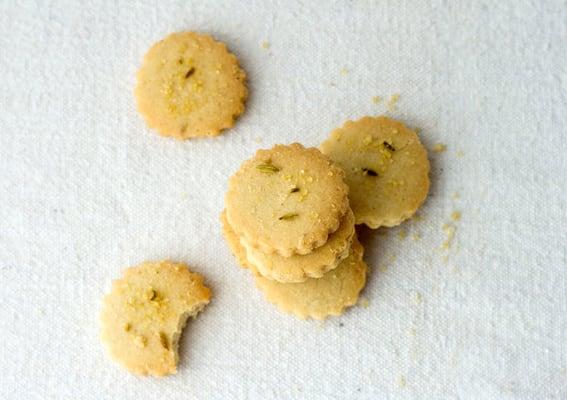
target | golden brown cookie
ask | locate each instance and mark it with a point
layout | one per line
(145, 312)
(189, 85)
(234, 243)
(298, 268)
(320, 298)
(287, 199)
(386, 167)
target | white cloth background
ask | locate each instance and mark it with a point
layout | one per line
(87, 190)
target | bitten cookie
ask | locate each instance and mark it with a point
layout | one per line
(287, 199)
(320, 298)
(299, 268)
(145, 312)
(189, 85)
(386, 167)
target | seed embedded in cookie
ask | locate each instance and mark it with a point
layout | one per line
(190, 85)
(145, 312)
(286, 200)
(386, 168)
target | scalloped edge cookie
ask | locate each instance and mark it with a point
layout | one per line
(323, 297)
(386, 168)
(299, 268)
(287, 199)
(144, 314)
(190, 85)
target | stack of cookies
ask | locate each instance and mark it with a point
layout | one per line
(288, 220)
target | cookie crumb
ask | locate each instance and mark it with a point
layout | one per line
(393, 102)
(456, 215)
(265, 45)
(439, 148)
(364, 302)
(258, 139)
(450, 233)
(460, 153)
(402, 234)
(402, 382)
(416, 236)
(344, 71)
(376, 99)
(456, 195)
(418, 297)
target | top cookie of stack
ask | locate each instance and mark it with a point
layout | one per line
(286, 200)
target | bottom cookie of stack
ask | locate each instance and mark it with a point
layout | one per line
(316, 298)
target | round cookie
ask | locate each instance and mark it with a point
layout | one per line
(234, 243)
(299, 268)
(287, 199)
(320, 298)
(189, 85)
(386, 168)
(145, 312)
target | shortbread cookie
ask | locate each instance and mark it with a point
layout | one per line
(190, 85)
(145, 312)
(235, 247)
(287, 199)
(299, 268)
(386, 167)
(323, 297)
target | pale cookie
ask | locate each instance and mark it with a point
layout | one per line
(299, 268)
(190, 85)
(323, 297)
(145, 312)
(234, 243)
(287, 199)
(386, 167)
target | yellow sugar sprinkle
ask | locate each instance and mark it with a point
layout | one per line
(265, 45)
(376, 99)
(393, 102)
(455, 215)
(439, 148)
(140, 341)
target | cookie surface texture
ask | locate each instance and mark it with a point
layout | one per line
(287, 199)
(299, 268)
(145, 312)
(386, 168)
(190, 85)
(320, 298)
